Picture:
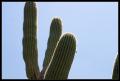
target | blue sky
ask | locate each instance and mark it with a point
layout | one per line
(94, 24)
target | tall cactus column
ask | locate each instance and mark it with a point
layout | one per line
(30, 52)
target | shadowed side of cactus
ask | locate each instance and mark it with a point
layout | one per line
(115, 75)
(54, 35)
(61, 62)
(30, 52)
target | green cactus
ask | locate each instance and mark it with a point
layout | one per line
(115, 75)
(30, 52)
(55, 33)
(62, 59)
(62, 49)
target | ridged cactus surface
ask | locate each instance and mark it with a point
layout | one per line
(62, 59)
(30, 51)
(54, 35)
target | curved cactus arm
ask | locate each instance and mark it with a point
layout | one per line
(30, 51)
(54, 35)
(115, 75)
(62, 59)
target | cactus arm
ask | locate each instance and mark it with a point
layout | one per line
(62, 59)
(55, 33)
(30, 52)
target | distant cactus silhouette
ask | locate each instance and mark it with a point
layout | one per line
(59, 53)
(115, 75)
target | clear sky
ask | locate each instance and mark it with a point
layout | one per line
(94, 24)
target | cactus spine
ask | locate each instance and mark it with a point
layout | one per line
(30, 52)
(60, 64)
(115, 75)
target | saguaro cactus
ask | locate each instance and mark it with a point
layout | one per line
(59, 54)
(30, 52)
(115, 75)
